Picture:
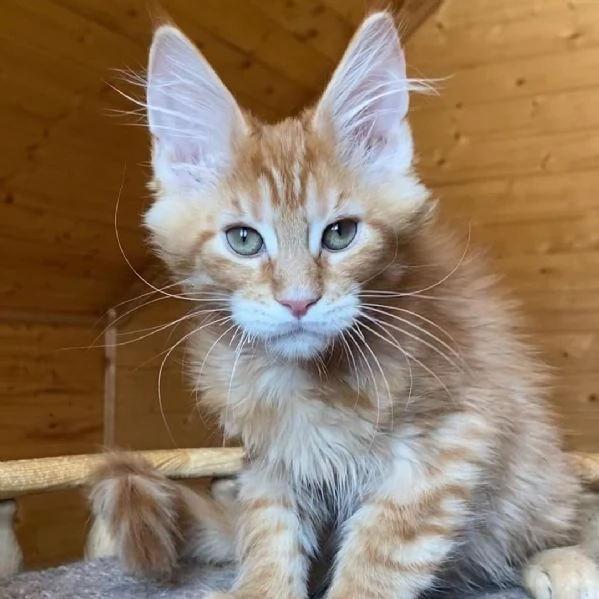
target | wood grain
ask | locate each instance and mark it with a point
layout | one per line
(511, 148)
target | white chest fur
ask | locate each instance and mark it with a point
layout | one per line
(291, 423)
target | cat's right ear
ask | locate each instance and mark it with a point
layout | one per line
(192, 116)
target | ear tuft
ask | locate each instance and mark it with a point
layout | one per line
(192, 116)
(366, 101)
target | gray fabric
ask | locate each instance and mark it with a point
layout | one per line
(105, 580)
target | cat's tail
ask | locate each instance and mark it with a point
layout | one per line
(152, 521)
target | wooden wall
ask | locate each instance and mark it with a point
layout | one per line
(141, 422)
(51, 395)
(511, 144)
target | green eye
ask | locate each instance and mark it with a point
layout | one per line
(244, 240)
(339, 235)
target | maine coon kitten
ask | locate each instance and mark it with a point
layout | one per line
(393, 421)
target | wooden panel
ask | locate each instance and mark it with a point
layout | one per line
(50, 404)
(511, 148)
(146, 419)
(556, 26)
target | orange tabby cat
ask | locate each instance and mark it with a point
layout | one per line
(393, 421)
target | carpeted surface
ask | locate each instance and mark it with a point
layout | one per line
(105, 580)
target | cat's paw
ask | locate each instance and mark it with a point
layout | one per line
(563, 573)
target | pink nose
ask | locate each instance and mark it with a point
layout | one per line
(299, 308)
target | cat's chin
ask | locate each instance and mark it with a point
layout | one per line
(301, 345)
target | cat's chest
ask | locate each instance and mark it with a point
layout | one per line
(294, 422)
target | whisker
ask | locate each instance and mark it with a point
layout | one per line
(350, 358)
(396, 345)
(416, 315)
(238, 352)
(384, 325)
(125, 257)
(166, 357)
(448, 347)
(385, 381)
(375, 387)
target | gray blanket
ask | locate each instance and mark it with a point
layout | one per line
(105, 580)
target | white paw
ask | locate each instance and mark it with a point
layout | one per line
(563, 573)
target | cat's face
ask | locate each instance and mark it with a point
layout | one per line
(289, 222)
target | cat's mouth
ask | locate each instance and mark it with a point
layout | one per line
(295, 331)
(298, 341)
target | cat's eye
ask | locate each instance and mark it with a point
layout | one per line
(339, 235)
(244, 241)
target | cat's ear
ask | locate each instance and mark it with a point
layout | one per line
(192, 116)
(366, 101)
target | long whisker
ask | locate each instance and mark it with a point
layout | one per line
(422, 330)
(125, 257)
(238, 352)
(367, 363)
(383, 376)
(415, 315)
(397, 346)
(350, 358)
(166, 357)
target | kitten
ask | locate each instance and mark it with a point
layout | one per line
(393, 420)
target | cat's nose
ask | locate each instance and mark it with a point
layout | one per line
(299, 308)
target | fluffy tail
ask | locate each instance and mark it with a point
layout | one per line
(153, 522)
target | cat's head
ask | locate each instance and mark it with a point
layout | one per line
(289, 221)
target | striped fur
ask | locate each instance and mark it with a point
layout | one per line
(398, 436)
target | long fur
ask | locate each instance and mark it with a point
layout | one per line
(398, 435)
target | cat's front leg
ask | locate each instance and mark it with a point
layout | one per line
(273, 543)
(396, 542)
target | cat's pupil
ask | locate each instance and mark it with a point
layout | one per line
(244, 240)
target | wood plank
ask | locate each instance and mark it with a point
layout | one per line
(311, 22)
(478, 12)
(543, 114)
(521, 77)
(578, 233)
(571, 352)
(251, 30)
(560, 271)
(518, 199)
(52, 291)
(51, 400)
(237, 69)
(576, 400)
(175, 423)
(502, 158)
(563, 320)
(460, 43)
(351, 10)
(24, 222)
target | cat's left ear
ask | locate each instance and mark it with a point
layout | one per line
(366, 102)
(193, 118)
